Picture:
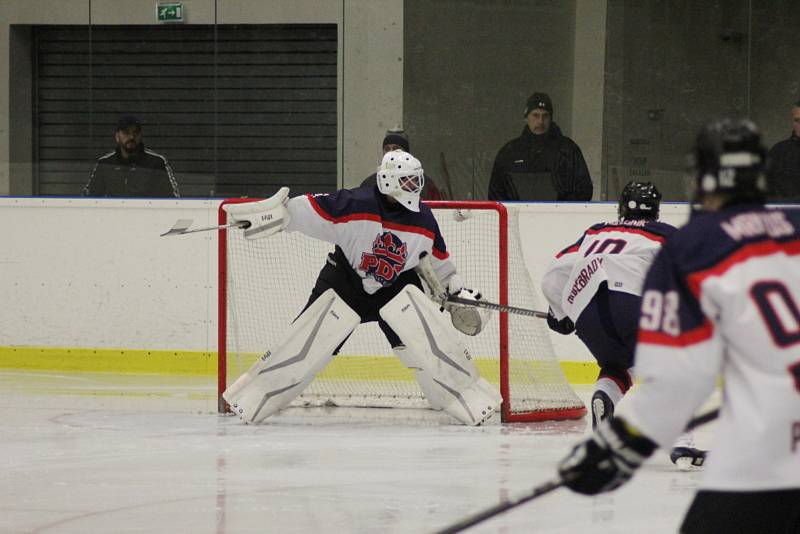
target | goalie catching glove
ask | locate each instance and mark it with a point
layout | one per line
(606, 460)
(467, 319)
(266, 217)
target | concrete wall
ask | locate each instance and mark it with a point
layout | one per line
(86, 273)
(459, 92)
(470, 66)
(631, 81)
(588, 93)
(370, 65)
(672, 66)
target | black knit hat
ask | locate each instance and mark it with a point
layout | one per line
(539, 100)
(127, 121)
(396, 137)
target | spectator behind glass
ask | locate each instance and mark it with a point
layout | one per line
(540, 164)
(783, 170)
(131, 170)
(396, 139)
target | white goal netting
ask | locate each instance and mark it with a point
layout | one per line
(267, 283)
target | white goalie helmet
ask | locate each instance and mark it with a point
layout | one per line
(401, 177)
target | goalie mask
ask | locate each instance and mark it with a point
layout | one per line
(729, 158)
(639, 200)
(401, 177)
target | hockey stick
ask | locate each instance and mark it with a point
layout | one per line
(425, 270)
(480, 517)
(497, 307)
(182, 227)
(543, 489)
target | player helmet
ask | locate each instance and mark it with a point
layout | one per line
(400, 176)
(730, 158)
(639, 200)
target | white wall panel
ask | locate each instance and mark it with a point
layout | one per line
(94, 273)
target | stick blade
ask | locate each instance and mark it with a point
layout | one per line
(179, 227)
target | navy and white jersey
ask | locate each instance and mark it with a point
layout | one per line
(618, 253)
(380, 240)
(723, 299)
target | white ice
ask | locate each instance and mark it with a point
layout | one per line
(103, 453)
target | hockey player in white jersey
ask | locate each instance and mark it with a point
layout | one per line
(380, 232)
(594, 288)
(721, 299)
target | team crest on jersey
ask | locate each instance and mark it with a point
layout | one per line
(387, 259)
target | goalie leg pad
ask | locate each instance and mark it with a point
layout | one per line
(281, 374)
(443, 366)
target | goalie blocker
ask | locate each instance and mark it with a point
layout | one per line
(263, 218)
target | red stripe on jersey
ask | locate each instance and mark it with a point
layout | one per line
(754, 250)
(639, 231)
(569, 250)
(690, 337)
(442, 255)
(347, 218)
(411, 229)
(439, 254)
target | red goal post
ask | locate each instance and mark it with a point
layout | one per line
(263, 284)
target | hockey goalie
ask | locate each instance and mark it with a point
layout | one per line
(383, 236)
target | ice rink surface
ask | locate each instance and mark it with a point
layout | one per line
(108, 454)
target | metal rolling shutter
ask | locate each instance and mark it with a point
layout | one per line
(264, 117)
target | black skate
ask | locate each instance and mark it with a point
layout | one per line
(602, 407)
(688, 458)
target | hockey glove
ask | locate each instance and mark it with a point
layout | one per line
(606, 460)
(564, 326)
(455, 284)
(468, 319)
(266, 217)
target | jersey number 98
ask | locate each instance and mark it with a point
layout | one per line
(660, 312)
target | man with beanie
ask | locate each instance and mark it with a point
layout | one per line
(540, 164)
(131, 170)
(396, 139)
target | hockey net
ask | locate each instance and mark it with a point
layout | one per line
(263, 285)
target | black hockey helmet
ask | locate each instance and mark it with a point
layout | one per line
(730, 158)
(639, 200)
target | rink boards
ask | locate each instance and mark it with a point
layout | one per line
(90, 286)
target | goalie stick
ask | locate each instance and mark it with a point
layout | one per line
(425, 270)
(543, 489)
(182, 227)
(497, 307)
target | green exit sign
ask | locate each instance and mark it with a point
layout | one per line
(169, 12)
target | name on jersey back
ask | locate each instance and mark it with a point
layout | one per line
(747, 225)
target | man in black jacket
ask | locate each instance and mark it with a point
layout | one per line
(540, 164)
(783, 169)
(131, 170)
